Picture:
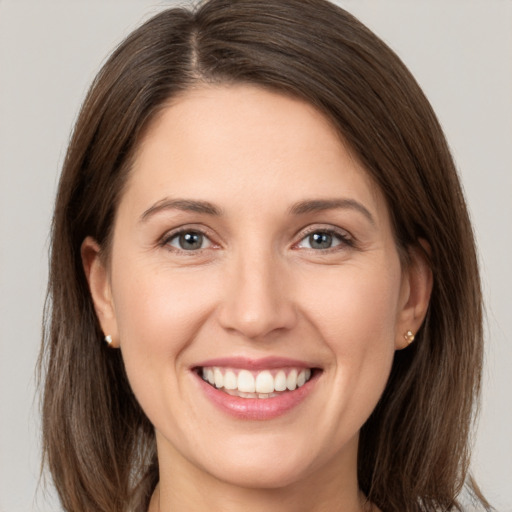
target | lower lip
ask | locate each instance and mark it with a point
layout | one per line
(257, 408)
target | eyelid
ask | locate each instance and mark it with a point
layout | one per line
(346, 239)
(187, 228)
(177, 237)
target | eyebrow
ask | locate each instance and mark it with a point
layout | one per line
(320, 205)
(186, 205)
(300, 208)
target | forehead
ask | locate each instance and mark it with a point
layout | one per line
(225, 142)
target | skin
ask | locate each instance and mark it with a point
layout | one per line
(256, 288)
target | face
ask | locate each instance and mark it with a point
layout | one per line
(252, 250)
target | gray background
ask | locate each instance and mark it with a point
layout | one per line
(461, 54)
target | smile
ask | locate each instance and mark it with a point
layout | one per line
(256, 389)
(268, 383)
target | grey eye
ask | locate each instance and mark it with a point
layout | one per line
(320, 240)
(189, 241)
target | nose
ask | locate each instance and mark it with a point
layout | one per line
(257, 299)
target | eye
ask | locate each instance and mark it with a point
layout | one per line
(323, 240)
(189, 241)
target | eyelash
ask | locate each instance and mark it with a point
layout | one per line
(344, 238)
(169, 237)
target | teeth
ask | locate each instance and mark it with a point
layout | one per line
(246, 382)
(218, 377)
(230, 380)
(291, 380)
(247, 395)
(280, 381)
(234, 392)
(263, 384)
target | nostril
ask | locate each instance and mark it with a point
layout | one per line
(256, 305)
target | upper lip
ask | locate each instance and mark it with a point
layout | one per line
(248, 363)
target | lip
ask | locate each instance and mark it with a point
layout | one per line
(245, 363)
(255, 409)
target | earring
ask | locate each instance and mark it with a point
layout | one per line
(108, 339)
(409, 337)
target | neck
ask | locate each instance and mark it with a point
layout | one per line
(259, 502)
(186, 488)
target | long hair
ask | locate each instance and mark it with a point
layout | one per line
(414, 449)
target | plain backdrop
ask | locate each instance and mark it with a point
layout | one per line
(459, 50)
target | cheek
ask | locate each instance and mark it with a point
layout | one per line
(158, 306)
(355, 307)
(159, 313)
(357, 321)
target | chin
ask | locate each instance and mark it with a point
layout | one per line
(275, 474)
(270, 462)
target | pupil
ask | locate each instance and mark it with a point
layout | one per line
(320, 240)
(190, 241)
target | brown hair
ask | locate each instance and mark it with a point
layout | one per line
(413, 455)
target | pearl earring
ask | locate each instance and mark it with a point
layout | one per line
(108, 339)
(409, 337)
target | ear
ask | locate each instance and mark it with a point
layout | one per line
(415, 294)
(97, 276)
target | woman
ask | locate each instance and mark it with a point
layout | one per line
(260, 216)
